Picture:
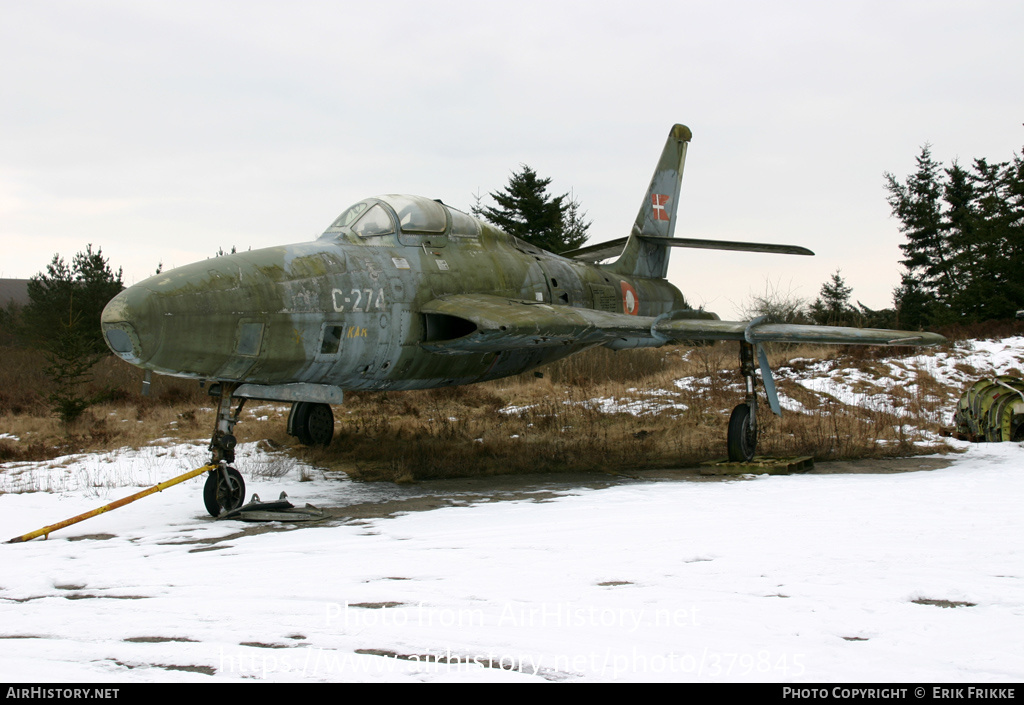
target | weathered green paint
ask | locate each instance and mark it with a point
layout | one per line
(991, 410)
(402, 292)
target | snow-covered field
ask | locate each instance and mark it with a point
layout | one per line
(892, 577)
(902, 577)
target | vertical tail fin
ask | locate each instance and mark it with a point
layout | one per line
(657, 216)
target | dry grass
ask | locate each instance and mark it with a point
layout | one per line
(572, 419)
(984, 330)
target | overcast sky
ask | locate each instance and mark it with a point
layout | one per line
(161, 131)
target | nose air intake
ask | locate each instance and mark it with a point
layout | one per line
(118, 329)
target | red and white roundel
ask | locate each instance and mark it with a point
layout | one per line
(630, 301)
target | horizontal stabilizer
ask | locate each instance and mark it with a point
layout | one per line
(612, 248)
(727, 245)
(599, 252)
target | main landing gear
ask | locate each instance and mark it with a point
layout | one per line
(742, 437)
(311, 423)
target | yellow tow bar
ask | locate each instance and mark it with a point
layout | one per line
(45, 531)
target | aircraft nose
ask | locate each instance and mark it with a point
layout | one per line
(203, 320)
(118, 322)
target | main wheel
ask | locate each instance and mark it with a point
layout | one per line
(742, 439)
(313, 424)
(222, 494)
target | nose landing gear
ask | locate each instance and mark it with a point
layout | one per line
(311, 422)
(225, 488)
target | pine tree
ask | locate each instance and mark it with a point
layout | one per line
(62, 319)
(918, 206)
(84, 288)
(914, 307)
(1014, 237)
(526, 210)
(832, 307)
(575, 225)
(990, 288)
(70, 359)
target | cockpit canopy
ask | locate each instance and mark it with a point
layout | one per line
(414, 215)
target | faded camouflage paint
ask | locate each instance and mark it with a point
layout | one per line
(261, 316)
(402, 292)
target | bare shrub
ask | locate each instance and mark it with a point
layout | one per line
(778, 304)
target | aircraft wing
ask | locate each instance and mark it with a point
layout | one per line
(755, 332)
(468, 323)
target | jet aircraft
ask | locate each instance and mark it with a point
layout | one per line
(405, 292)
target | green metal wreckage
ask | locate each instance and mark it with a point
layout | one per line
(991, 410)
(404, 292)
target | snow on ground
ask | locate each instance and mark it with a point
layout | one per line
(865, 385)
(954, 371)
(806, 578)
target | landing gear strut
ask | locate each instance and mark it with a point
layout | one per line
(742, 438)
(225, 488)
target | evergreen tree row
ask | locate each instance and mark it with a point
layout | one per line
(964, 255)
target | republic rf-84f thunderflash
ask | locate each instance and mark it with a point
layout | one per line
(405, 292)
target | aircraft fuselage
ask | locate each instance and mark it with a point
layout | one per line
(344, 310)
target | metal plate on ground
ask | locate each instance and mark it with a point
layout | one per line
(759, 465)
(278, 510)
(295, 514)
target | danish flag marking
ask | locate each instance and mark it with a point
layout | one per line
(658, 202)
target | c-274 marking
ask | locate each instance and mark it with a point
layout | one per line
(379, 304)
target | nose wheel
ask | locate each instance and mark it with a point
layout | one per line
(224, 490)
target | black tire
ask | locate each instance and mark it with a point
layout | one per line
(320, 424)
(223, 495)
(742, 439)
(313, 424)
